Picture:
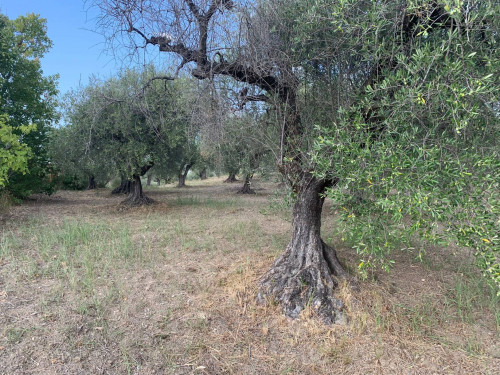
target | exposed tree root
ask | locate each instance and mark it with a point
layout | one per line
(136, 196)
(308, 272)
(245, 189)
(124, 187)
(231, 178)
(309, 281)
(132, 201)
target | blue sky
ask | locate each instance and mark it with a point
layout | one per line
(77, 51)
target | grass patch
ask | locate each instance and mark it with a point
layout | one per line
(196, 201)
(76, 250)
(470, 297)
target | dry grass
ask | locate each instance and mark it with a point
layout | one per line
(87, 287)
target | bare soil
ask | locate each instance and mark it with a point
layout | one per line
(88, 286)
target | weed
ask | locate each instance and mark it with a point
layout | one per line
(130, 364)
(7, 245)
(469, 294)
(279, 241)
(6, 201)
(423, 317)
(337, 351)
(473, 347)
(249, 232)
(77, 251)
(14, 335)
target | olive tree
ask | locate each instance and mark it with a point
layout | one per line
(132, 121)
(236, 40)
(265, 47)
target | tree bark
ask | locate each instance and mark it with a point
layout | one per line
(183, 174)
(124, 187)
(246, 188)
(203, 174)
(136, 196)
(150, 178)
(91, 184)
(308, 272)
(231, 178)
(182, 180)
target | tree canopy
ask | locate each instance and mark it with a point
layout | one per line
(27, 99)
(127, 124)
(413, 140)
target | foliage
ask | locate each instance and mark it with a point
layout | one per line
(69, 146)
(125, 124)
(27, 97)
(413, 143)
(14, 154)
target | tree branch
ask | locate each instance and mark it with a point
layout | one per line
(156, 78)
(194, 9)
(253, 98)
(146, 168)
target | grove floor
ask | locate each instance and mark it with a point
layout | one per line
(90, 287)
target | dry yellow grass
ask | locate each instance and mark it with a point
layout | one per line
(87, 287)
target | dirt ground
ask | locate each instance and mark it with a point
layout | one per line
(90, 287)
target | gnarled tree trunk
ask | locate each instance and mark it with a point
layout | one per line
(308, 272)
(136, 196)
(203, 174)
(231, 178)
(91, 184)
(183, 174)
(246, 188)
(124, 187)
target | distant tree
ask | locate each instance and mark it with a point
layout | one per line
(78, 164)
(133, 121)
(247, 146)
(27, 98)
(187, 154)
